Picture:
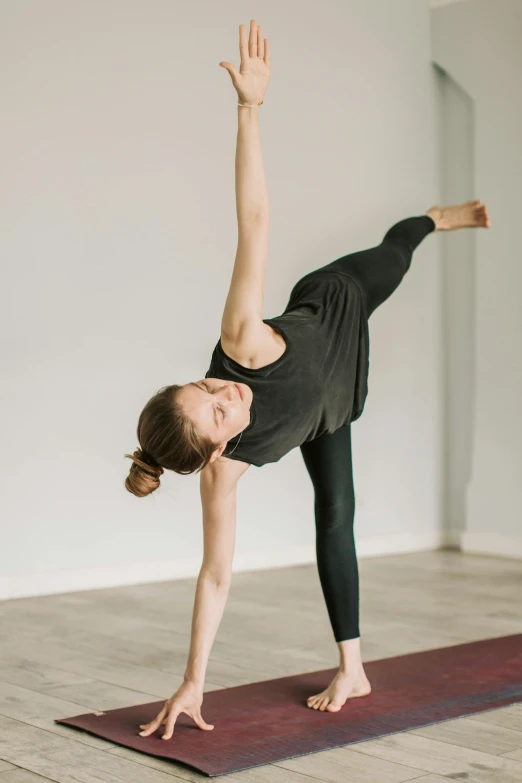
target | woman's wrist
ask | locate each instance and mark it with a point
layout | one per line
(253, 104)
(194, 682)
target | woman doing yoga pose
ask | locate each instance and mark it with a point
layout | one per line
(273, 384)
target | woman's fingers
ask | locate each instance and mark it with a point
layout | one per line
(252, 44)
(234, 74)
(260, 43)
(171, 720)
(243, 47)
(201, 723)
(256, 46)
(266, 58)
(149, 728)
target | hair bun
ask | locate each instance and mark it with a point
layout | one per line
(144, 476)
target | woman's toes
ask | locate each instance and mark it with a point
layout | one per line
(484, 217)
(333, 707)
(485, 214)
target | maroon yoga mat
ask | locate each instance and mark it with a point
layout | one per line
(269, 721)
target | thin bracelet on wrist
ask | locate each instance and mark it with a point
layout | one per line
(250, 105)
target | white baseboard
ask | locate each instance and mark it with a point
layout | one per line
(75, 580)
(492, 544)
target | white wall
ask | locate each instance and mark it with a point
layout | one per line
(478, 44)
(458, 300)
(118, 239)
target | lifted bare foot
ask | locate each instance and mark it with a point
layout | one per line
(343, 686)
(470, 214)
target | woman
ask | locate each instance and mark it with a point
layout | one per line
(298, 379)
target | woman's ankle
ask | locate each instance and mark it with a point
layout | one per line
(350, 660)
(435, 213)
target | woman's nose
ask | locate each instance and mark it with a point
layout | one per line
(230, 392)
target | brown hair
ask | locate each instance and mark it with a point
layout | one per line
(168, 440)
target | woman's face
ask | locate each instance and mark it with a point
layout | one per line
(219, 409)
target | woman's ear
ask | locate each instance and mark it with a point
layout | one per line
(218, 452)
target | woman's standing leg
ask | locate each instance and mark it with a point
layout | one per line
(328, 460)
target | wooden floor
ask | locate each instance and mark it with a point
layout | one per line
(67, 654)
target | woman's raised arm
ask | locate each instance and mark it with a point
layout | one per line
(243, 313)
(250, 82)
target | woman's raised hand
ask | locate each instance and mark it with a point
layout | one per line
(254, 71)
(188, 699)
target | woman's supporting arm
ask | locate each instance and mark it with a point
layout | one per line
(218, 483)
(209, 605)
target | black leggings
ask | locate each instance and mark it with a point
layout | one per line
(328, 459)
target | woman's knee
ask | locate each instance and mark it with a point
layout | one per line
(336, 514)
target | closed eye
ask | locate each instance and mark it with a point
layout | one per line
(221, 409)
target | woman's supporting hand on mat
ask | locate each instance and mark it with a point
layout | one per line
(254, 71)
(188, 699)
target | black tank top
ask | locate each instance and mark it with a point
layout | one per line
(318, 384)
